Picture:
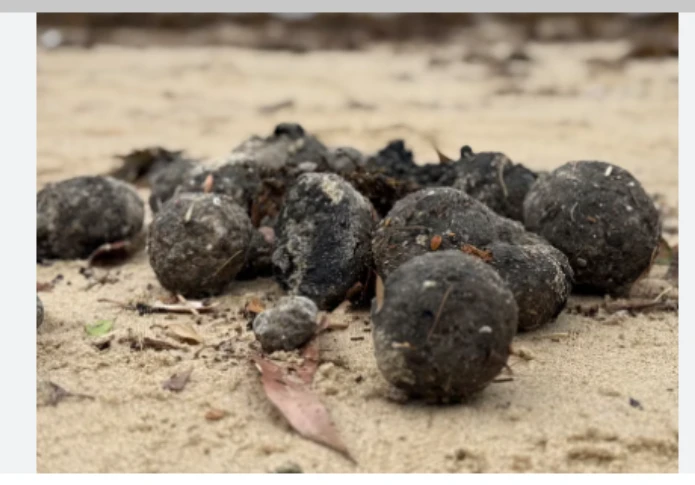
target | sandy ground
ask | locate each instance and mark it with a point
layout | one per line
(567, 409)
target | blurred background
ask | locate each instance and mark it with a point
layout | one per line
(543, 88)
(301, 32)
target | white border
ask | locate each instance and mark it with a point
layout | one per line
(18, 275)
(686, 172)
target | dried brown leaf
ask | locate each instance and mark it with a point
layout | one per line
(116, 252)
(253, 307)
(299, 405)
(208, 183)
(184, 333)
(178, 381)
(44, 286)
(215, 414)
(485, 255)
(49, 393)
(435, 242)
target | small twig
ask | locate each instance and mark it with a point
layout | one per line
(189, 213)
(183, 301)
(225, 264)
(439, 311)
(500, 176)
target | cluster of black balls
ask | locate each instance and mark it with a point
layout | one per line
(469, 252)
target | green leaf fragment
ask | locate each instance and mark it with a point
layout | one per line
(102, 327)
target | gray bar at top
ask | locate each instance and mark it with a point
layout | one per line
(354, 6)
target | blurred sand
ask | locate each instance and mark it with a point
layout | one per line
(566, 410)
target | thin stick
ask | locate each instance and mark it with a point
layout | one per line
(225, 264)
(439, 311)
(500, 176)
(183, 301)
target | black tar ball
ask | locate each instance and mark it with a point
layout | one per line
(539, 276)
(599, 215)
(445, 326)
(323, 239)
(198, 243)
(494, 180)
(39, 312)
(437, 219)
(76, 216)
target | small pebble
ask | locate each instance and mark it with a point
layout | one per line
(288, 325)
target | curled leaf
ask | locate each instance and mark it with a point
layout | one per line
(102, 327)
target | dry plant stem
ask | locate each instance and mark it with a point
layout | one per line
(439, 312)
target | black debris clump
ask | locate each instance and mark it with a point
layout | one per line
(141, 165)
(395, 161)
(599, 215)
(493, 179)
(198, 243)
(539, 276)
(439, 219)
(323, 239)
(287, 326)
(444, 327)
(78, 215)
